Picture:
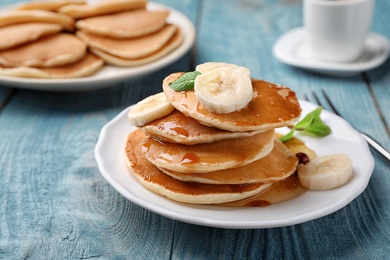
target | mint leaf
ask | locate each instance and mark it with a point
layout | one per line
(287, 136)
(318, 129)
(309, 119)
(185, 81)
(310, 124)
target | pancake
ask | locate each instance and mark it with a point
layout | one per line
(279, 164)
(279, 192)
(171, 45)
(156, 181)
(87, 66)
(272, 106)
(17, 34)
(178, 128)
(101, 8)
(54, 50)
(208, 157)
(130, 48)
(128, 24)
(28, 16)
(48, 5)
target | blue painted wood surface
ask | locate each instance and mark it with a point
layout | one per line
(54, 204)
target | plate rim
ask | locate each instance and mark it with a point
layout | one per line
(225, 223)
(99, 81)
(297, 34)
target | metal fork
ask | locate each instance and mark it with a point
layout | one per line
(374, 144)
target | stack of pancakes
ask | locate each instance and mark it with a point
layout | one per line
(200, 157)
(39, 43)
(71, 38)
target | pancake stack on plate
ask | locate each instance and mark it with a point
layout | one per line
(39, 43)
(196, 156)
(124, 36)
(72, 38)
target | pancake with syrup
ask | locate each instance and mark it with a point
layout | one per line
(49, 51)
(128, 24)
(156, 181)
(111, 6)
(279, 164)
(17, 34)
(43, 16)
(173, 43)
(88, 65)
(130, 48)
(178, 128)
(208, 157)
(272, 106)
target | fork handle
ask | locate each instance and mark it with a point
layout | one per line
(377, 146)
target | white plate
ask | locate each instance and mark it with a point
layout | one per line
(291, 48)
(109, 154)
(109, 75)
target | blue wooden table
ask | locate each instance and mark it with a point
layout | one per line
(54, 203)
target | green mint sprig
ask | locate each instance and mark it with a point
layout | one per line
(310, 124)
(184, 82)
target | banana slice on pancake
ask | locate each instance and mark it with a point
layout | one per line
(127, 24)
(156, 181)
(208, 157)
(101, 8)
(272, 106)
(54, 50)
(28, 16)
(17, 34)
(88, 65)
(173, 43)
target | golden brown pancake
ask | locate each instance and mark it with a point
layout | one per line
(281, 191)
(130, 48)
(17, 34)
(28, 16)
(171, 45)
(272, 106)
(208, 157)
(178, 128)
(128, 24)
(279, 164)
(102, 8)
(48, 5)
(53, 50)
(156, 181)
(87, 66)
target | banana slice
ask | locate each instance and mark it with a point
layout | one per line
(325, 172)
(208, 66)
(223, 89)
(149, 109)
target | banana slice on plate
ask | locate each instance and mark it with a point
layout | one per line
(149, 109)
(223, 89)
(326, 172)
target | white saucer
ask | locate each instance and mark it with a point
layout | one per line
(291, 48)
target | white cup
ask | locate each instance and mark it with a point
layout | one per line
(337, 30)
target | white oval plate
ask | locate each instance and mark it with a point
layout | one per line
(291, 48)
(109, 154)
(109, 75)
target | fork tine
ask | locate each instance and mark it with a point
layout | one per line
(330, 103)
(305, 97)
(317, 99)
